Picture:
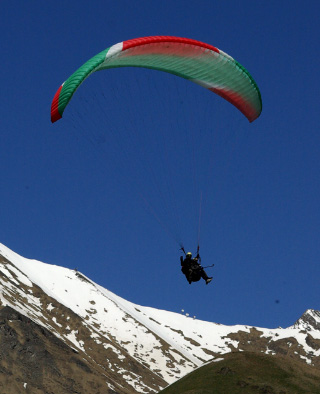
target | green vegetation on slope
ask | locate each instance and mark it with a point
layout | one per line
(246, 372)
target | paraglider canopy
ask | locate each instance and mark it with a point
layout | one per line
(196, 61)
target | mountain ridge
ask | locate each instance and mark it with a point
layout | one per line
(141, 348)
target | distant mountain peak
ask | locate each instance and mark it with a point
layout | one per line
(309, 321)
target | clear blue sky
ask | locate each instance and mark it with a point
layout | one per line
(72, 196)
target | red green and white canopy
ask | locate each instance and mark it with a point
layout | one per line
(190, 59)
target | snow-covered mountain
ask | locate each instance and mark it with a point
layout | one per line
(309, 321)
(137, 349)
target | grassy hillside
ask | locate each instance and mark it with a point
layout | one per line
(246, 372)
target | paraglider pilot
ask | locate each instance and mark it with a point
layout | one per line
(192, 269)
